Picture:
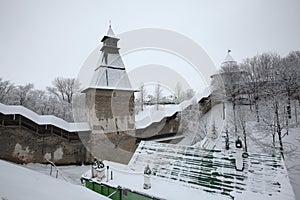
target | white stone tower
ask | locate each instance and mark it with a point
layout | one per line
(110, 104)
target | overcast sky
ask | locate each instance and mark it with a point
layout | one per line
(43, 39)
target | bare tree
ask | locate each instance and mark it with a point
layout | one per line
(260, 71)
(142, 96)
(274, 95)
(289, 72)
(37, 101)
(64, 88)
(242, 120)
(22, 94)
(158, 94)
(5, 88)
(232, 77)
(178, 92)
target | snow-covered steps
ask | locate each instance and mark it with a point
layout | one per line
(213, 171)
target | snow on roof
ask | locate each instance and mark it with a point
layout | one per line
(112, 60)
(110, 32)
(186, 172)
(44, 119)
(105, 77)
(160, 188)
(228, 60)
(214, 171)
(108, 88)
(150, 114)
(110, 71)
(17, 182)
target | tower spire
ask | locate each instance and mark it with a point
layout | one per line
(110, 31)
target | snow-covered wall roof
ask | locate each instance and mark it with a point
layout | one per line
(44, 119)
(150, 114)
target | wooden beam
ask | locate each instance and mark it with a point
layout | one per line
(43, 146)
(20, 121)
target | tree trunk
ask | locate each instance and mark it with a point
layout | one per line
(287, 124)
(223, 110)
(256, 110)
(281, 144)
(296, 116)
(288, 108)
(234, 115)
(250, 102)
(278, 129)
(245, 138)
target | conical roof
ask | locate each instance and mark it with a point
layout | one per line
(110, 71)
(110, 32)
(229, 59)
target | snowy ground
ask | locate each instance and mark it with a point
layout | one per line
(258, 142)
(70, 173)
(19, 183)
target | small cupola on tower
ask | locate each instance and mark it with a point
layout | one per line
(228, 59)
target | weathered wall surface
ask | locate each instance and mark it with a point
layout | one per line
(110, 110)
(23, 146)
(117, 147)
(111, 116)
(165, 126)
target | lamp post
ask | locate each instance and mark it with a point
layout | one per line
(147, 177)
(239, 165)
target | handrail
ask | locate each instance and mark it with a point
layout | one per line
(112, 194)
(57, 170)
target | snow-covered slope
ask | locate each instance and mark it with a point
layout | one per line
(259, 142)
(19, 183)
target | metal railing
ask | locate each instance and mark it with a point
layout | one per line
(58, 172)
